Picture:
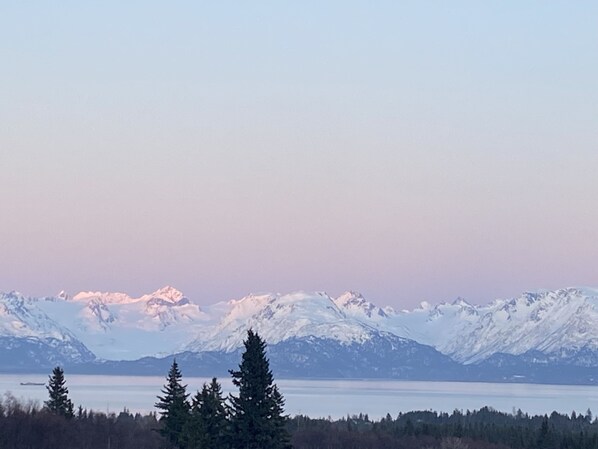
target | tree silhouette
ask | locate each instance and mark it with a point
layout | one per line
(59, 402)
(257, 419)
(174, 406)
(208, 424)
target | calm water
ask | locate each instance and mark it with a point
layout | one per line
(322, 398)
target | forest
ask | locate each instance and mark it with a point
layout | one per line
(25, 426)
(255, 419)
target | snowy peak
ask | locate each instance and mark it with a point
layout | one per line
(249, 305)
(63, 295)
(425, 305)
(269, 306)
(545, 321)
(104, 297)
(354, 304)
(462, 302)
(280, 317)
(272, 306)
(458, 309)
(21, 317)
(117, 326)
(166, 296)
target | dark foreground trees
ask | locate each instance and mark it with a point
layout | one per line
(208, 425)
(174, 408)
(257, 415)
(482, 429)
(252, 420)
(59, 402)
(27, 426)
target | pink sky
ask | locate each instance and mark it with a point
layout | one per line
(407, 152)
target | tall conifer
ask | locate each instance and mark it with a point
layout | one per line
(59, 402)
(208, 424)
(257, 419)
(174, 406)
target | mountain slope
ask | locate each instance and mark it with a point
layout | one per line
(561, 321)
(116, 326)
(310, 333)
(280, 317)
(29, 337)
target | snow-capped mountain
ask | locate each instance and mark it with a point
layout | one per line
(549, 322)
(556, 323)
(116, 326)
(354, 304)
(281, 317)
(26, 332)
(309, 329)
(315, 335)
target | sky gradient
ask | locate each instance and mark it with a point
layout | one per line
(408, 150)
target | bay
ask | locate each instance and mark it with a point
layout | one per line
(323, 398)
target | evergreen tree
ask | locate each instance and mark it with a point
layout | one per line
(257, 419)
(208, 424)
(174, 406)
(279, 420)
(59, 402)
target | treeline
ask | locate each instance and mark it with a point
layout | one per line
(482, 429)
(27, 426)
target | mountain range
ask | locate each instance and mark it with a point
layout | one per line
(548, 336)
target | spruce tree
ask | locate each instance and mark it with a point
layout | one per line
(208, 424)
(59, 402)
(257, 414)
(174, 407)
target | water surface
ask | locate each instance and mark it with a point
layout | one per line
(323, 398)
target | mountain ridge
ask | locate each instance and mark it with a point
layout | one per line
(560, 325)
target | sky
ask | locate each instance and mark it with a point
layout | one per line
(416, 150)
